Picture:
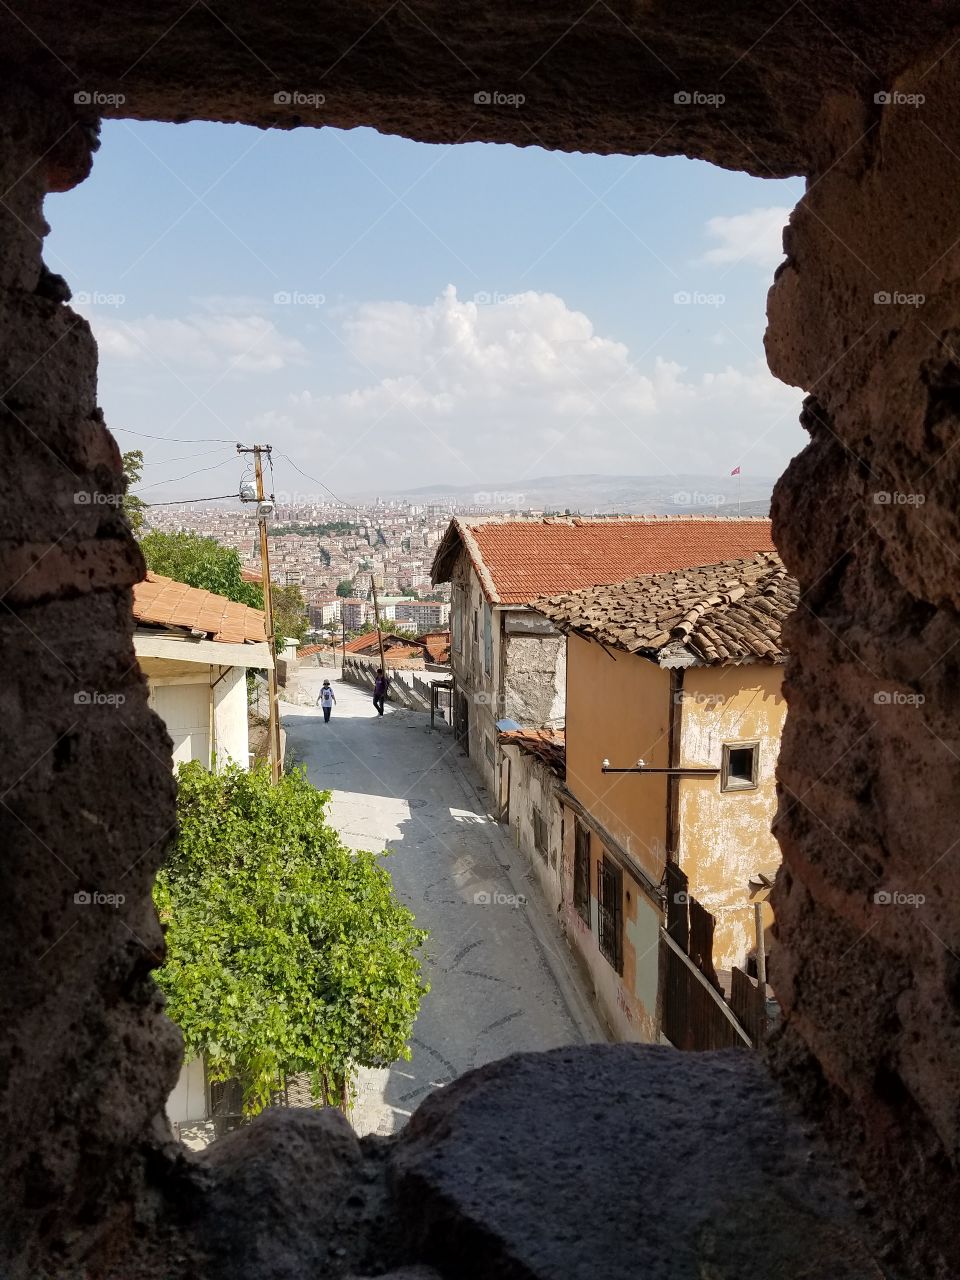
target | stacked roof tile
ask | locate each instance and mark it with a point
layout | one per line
(548, 745)
(519, 560)
(162, 602)
(715, 614)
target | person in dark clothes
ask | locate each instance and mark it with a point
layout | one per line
(327, 700)
(380, 686)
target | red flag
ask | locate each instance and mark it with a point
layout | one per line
(735, 471)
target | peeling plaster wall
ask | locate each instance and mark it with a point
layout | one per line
(534, 679)
(533, 784)
(627, 1003)
(725, 836)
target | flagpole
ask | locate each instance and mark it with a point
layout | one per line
(739, 478)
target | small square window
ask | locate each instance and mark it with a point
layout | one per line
(740, 764)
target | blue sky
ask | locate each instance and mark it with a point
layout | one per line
(389, 313)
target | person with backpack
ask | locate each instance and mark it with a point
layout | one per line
(380, 686)
(326, 700)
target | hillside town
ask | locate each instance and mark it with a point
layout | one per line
(602, 697)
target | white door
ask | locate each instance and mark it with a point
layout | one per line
(185, 710)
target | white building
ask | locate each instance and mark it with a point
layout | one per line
(424, 615)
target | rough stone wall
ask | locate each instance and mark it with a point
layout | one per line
(866, 317)
(870, 774)
(86, 802)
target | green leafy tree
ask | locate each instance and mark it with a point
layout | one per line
(290, 617)
(134, 508)
(286, 952)
(200, 562)
(345, 589)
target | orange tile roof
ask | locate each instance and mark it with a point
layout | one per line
(438, 646)
(162, 602)
(519, 560)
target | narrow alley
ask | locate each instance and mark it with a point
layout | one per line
(500, 981)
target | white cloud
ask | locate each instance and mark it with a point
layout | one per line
(754, 237)
(249, 343)
(528, 386)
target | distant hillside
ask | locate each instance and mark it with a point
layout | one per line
(599, 494)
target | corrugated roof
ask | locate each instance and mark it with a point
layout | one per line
(548, 745)
(162, 602)
(715, 614)
(519, 560)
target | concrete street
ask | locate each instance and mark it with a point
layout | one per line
(500, 980)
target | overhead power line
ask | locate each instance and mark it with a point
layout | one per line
(199, 472)
(180, 502)
(314, 479)
(177, 439)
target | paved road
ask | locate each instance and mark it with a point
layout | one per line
(498, 973)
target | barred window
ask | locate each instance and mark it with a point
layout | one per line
(581, 870)
(610, 914)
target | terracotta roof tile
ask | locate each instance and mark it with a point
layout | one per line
(162, 602)
(717, 614)
(549, 745)
(438, 646)
(519, 560)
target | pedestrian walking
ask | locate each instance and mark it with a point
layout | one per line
(327, 700)
(380, 687)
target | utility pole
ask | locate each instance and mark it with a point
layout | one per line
(376, 614)
(264, 509)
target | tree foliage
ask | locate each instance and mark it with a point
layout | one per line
(345, 589)
(200, 562)
(133, 507)
(286, 952)
(290, 618)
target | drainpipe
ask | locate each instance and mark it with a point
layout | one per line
(673, 754)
